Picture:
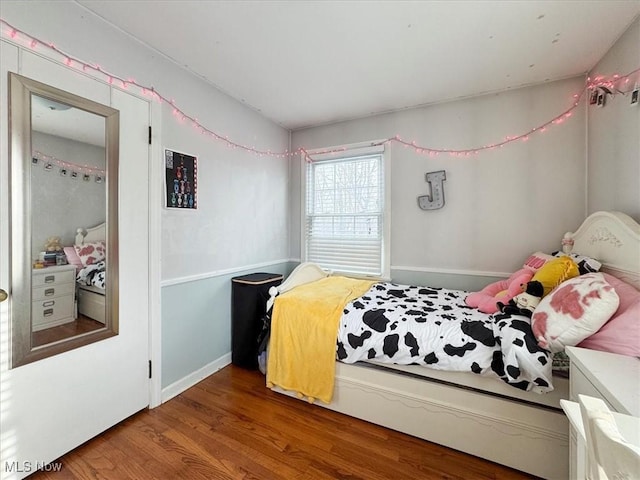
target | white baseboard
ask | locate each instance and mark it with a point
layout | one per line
(176, 388)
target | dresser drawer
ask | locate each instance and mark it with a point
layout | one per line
(49, 278)
(580, 385)
(52, 310)
(51, 291)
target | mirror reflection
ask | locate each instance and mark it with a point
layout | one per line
(68, 195)
(64, 153)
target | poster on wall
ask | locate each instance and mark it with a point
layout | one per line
(181, 180)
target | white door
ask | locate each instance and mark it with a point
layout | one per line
(53, 405)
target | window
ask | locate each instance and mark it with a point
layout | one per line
(345, 223)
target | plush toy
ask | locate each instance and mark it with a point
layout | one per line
(486, 300)
(53, 245)
(525, 302)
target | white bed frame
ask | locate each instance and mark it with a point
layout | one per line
(484, 417)
(91, 300)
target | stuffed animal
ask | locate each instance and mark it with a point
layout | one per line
(486, 300)
(53, 245)
(526, 302)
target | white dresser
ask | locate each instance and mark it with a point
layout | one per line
(613, 378)
(53, 296)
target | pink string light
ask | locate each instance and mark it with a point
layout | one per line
(68, 165)
(183, 117)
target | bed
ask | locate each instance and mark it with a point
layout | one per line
(91, 278)
(476, 414)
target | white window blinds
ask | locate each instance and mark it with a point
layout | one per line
(345, 214)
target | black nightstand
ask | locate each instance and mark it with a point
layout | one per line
(249, 295)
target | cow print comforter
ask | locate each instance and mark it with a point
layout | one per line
(93, 275)
(410, 325)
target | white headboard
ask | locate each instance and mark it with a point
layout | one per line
(612, 238)
(93, 234)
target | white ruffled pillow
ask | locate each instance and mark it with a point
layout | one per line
(573, 311)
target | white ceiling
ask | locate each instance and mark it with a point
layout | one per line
(54, 118)
(305, 63)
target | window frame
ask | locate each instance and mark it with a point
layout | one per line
(346, 153)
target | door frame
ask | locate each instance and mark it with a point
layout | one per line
(155, 254)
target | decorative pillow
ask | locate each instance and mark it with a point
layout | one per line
(501, 291)
(621, 334)
(574, 311)
(90, 253)
(554, 272)
(73, 258)
(585, 264)
(536, 261)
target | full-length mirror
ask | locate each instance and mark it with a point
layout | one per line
(64, 230)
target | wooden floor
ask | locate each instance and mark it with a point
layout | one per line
(79, 326)
(230, 426)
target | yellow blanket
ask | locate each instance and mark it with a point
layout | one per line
(304, 329)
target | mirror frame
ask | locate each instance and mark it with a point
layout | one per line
(21, 90)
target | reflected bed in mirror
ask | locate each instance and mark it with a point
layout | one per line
(90, 248)
(86, 259)
(64, 171)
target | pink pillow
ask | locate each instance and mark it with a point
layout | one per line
(573, 311)
(501, 291)
(621, 334)
(91, 253)
(73, 258)
(536, 261)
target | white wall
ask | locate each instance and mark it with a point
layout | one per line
(501, 205)
(241, 218)
(614, 134)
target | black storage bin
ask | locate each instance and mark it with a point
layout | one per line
(248, 305)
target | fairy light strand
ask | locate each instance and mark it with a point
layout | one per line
(67, 165)
(613, 83)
